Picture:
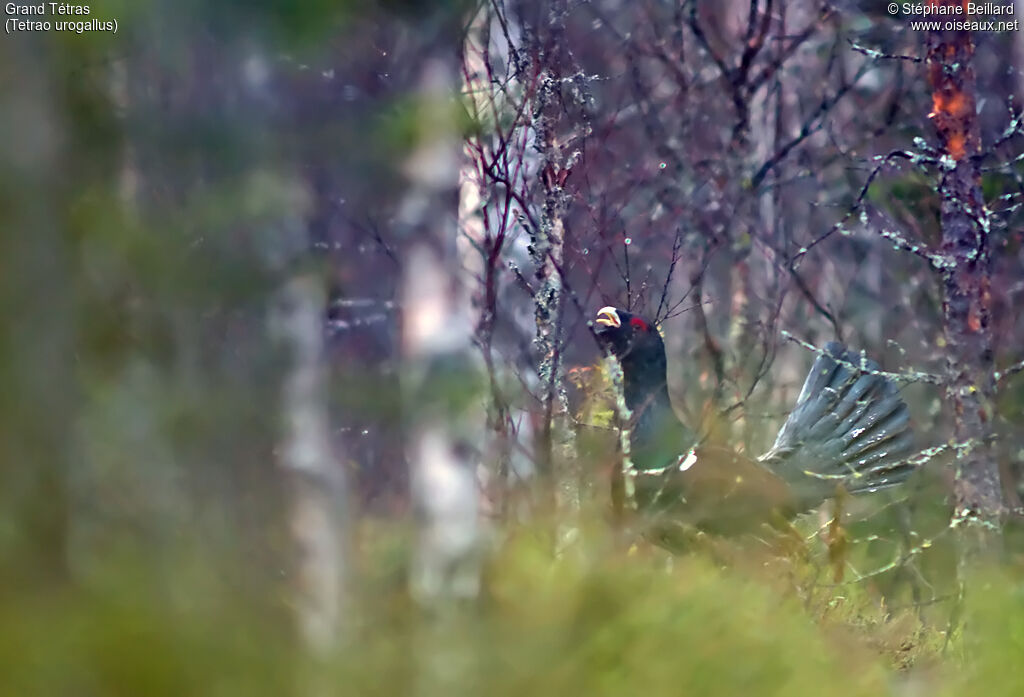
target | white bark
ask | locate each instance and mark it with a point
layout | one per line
(445, 416)
(443, 462)
(306, 454)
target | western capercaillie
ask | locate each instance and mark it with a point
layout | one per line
(849, 430)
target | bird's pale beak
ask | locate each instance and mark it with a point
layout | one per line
(608, 317)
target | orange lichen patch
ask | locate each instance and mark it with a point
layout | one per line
(956, 146)
(951, 108)
(954, 103)
(957, 104)
(974, 320)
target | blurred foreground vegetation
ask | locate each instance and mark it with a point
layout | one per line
(600, 621)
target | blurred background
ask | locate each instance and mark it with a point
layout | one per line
(297, 391)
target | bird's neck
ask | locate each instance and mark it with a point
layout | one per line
(645, 383)
(647, 396)
(656, 435)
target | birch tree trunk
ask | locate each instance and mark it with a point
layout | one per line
(318, 495)
(441, 392)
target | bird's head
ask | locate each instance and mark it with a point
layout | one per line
(632, 339)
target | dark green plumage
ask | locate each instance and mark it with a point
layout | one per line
(849, 428)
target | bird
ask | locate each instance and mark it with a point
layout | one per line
(848, 432)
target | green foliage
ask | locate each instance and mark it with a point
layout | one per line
(142, 633)
(409, 122)
(597, 407)
(994, 635)
(623, 627)
(605, 619)
(914, 196)
(612, 621)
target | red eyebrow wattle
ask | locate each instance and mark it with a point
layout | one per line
(638, 323)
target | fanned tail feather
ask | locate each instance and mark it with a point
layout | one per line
(849, 427)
